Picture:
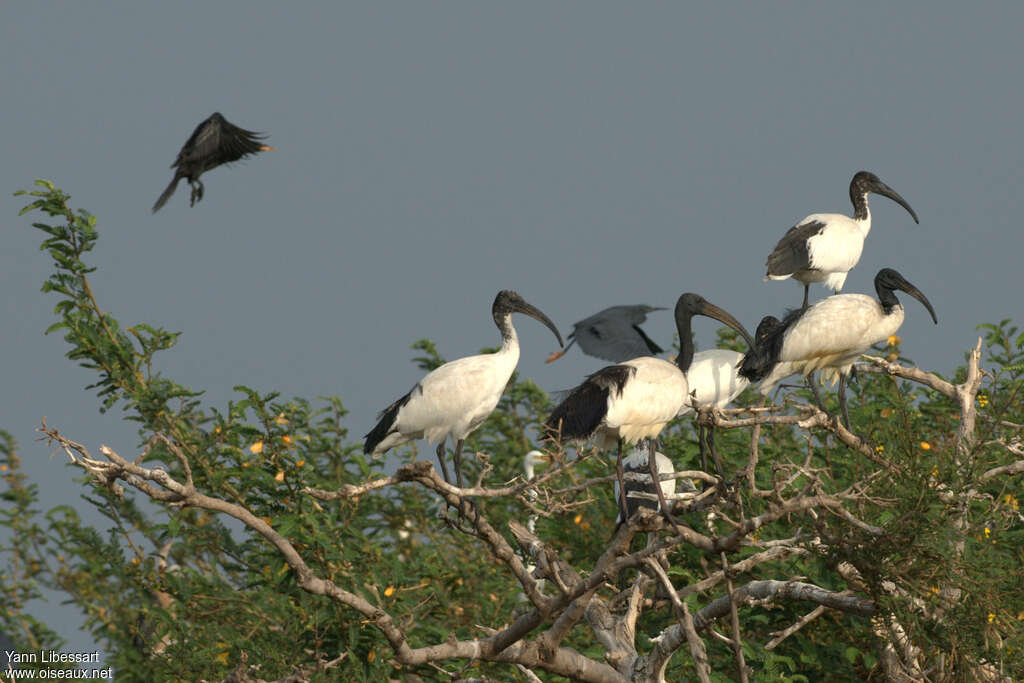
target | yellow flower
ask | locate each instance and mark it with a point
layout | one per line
(879, 448)
(256, 448)
(1012, 502)
(991, 617)
(935, 471)
(577, 519)
(988, 532)
(893, 340)
(300, 463)
(389, 591)
(279, 477)
(925, 446)
(281, 419)
(286, 438)
(982, 400)
(3, 468)
(372, 656)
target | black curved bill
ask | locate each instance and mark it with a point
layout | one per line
(919, 295)
(886, 191)
(710, 310)
(535, 313)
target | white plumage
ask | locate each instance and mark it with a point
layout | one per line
(634, 400)
(830, 335)
(714, 379)
(824, 247)
(454, 399)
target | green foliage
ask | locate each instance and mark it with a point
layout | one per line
(183, 594)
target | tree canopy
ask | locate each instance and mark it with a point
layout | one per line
(255, 541)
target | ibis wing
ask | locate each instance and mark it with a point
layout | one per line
(791, 254)
(581, 412)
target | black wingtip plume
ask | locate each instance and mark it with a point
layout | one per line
(386, 420)
(581, 413)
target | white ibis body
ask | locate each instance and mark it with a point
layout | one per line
(714, 379)
(830, 335)
(454, 399)
(613, 334)
(634, 400)
(824, 247)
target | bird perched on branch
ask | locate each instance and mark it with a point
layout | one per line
(829, 336)
(215, 141)
(613, 334)
(455, 399)
(824, 247)
(635, 399)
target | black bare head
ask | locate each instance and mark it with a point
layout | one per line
(864, 182)
(763, 356)
(889, 280)
(508, 302)
(689, 305)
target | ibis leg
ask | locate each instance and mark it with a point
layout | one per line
(813, 384)
(440, 459)
(710, 435)
(652, 465)
(620, 475)
(842, 401)
(701, 433)
(807, 290)
(458, 462)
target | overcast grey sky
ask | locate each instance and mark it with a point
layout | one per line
(584, 154)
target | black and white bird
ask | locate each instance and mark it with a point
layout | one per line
(640, 491)
(824, 247)
(634, 400)
(613, 334)
(455, 399)
(829, 336)
(215, 141)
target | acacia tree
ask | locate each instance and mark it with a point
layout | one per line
(255, 542)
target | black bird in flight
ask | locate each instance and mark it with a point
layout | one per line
(215, 141)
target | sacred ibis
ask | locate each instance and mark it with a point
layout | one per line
(457, 397)
(824, 246)
(634, 400)
(215, 141)
(830, 335)
(714, 381)
(613, 334)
